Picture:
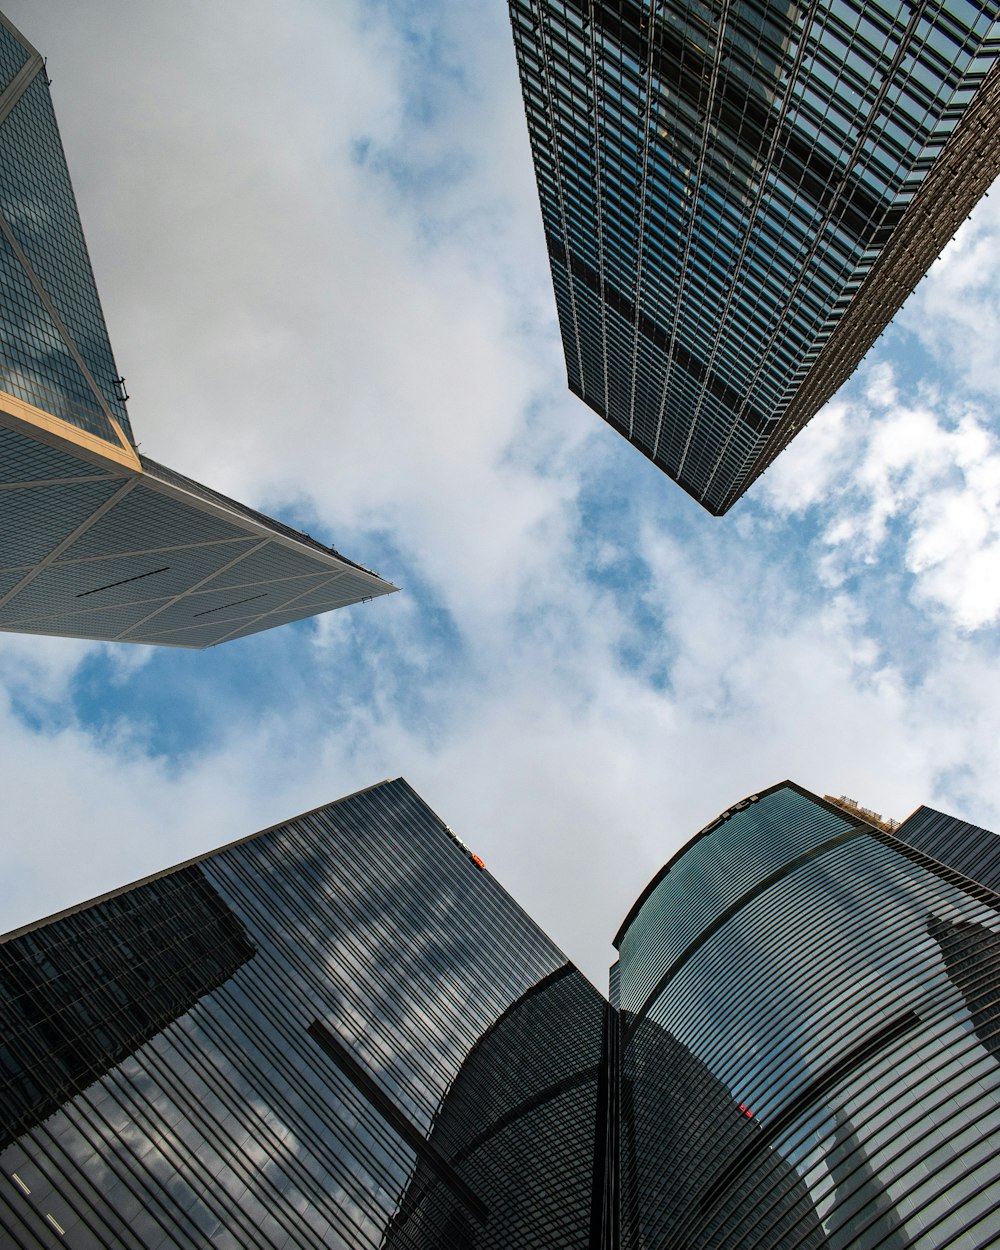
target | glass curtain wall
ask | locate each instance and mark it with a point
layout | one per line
(833, 993)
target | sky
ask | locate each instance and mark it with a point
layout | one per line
(320, 255)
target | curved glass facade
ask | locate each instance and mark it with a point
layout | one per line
(837, 992)
(519, 1124)
(343, 1032)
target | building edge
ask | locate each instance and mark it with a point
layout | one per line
(723, 816)
(198, 859)
(959, 178)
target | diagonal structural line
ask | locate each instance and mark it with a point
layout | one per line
(124, 635)
(60, 326)
(427, 1151)
(245, 622)
(124, 581)
(68, 541)
(224, 607)
(289, 603)
(31, 483)
(19, 84)
(856, 1057)
(11, 29)
(148, 551)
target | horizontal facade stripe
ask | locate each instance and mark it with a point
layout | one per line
(964, 848)
(718, 866)
(372, 926)
(725, 916)
(859, 1054)
(774, 1011)
(822, 1067)
(828, 1047)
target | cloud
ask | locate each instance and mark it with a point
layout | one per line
(322, 263)
(955, 312)
(38, 671)
(572, 767)
(898, 472)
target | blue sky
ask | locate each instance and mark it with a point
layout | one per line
(321, 260)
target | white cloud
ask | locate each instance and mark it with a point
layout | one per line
(373, 344)
(558, 762)
(955, 312)
(904, 471)
(298, 326)
(797, 482)
(38, 671)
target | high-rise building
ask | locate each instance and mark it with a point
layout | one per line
(338, 1032)
(814, 1001)
(96, 539)
(343, 1032)
(521, 1116)
(737, 197)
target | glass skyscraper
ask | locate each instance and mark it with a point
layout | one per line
(737, 197)
(343, 1032)
(815, 1002)
(96, 539)
(520, 1117)
(337, 1032)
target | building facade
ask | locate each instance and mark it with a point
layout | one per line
(521, 1119)
(97, 540)
(343, 1032)
(738, 197)
(826, 999)
(327, 1034)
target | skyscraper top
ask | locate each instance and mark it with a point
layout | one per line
(810, 1003)
(342, 1032)
(737, 198)
(56, 358)
(337, 1032)
(96, 540)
